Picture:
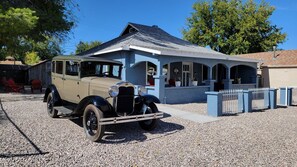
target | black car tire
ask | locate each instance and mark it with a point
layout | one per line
(150, 124)
(50, 106)
(91, 118)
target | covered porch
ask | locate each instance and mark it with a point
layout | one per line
(184, 79)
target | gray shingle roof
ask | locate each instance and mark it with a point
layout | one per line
(136, 36)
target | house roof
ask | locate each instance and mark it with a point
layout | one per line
(11, 62)
(82, 58)
(154, 40)
(284, 58)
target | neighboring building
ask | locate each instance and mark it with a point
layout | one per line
(154, 58)
(13, 69)
(277, 69)
(41, 71)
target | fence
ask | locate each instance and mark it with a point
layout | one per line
(260, 98)
(234, 101)
(231, 101)
(294, 96)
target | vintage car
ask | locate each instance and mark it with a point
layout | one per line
(91, 87)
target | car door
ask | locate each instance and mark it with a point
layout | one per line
(58, 76)
(71, 81)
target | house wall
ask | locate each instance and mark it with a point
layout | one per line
(186, 94)
(279, 77)
(137, 74)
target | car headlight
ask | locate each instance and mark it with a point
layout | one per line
(113, 91)
(141, 90)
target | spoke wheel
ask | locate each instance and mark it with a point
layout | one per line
(91, 118)
(152, 123)
(50, 106)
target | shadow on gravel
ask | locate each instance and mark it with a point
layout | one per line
(39, 152)
(131, 132)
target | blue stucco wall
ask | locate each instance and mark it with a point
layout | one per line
(137, 74)
(186, 94)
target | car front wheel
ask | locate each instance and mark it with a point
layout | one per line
(152, 123)
(52, 112)
(94, 131)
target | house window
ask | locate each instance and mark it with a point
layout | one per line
(151, 70)
(186, 74)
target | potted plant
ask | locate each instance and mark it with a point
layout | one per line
(194, 81)
(238, 80)
(178, 82)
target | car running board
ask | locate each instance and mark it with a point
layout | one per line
(64, 110)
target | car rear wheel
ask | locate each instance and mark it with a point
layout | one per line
(50, 106)
(152, 123)
(94, 131)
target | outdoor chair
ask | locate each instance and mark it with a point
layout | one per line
(36, 85)
(13, 87)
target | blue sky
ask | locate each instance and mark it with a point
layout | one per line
(104, 20)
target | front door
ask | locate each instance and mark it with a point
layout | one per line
(186, 75)
(71, 82)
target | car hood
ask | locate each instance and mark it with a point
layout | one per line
(100, 85)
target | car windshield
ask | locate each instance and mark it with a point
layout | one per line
(100, 69)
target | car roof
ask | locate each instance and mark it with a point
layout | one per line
(81, 59)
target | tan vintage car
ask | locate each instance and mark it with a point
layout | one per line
(91, 87)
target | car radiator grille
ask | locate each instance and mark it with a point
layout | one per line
(125, 101)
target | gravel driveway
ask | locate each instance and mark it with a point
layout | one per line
(29, 137)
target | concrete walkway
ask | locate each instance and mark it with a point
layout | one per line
(186, 114)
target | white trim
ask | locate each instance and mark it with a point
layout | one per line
(153, 51)
(109, 51)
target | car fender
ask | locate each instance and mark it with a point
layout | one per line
(147, 99)
(56, 96)
(98, 101)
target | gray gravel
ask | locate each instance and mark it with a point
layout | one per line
(254, 139)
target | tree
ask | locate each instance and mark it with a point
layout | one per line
(15, 24)
(83, 46)
(233, 27)
(31, 58)
(45, 25)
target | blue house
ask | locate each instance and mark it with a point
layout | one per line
(172, 69)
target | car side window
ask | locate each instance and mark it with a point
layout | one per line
(59, 67)
(71, 68)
